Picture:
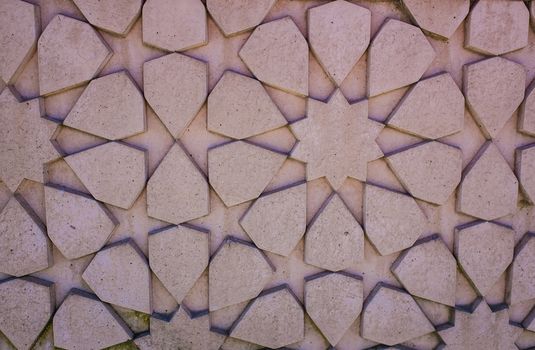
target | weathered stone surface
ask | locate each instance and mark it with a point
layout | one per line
(525, 168)
(76, 223)
(277, 220)
(428, 270)
(497, 27)
(333, 301)
(114, 173)
(415, 115)
(178, 256)
(174, 25)
(116, 16)
(392, 221)
(391, 316)
(239, 107)
(273, 43)
(70, 53)
(484, 251)
(175, 86)
(489, 189)
(239, 171)
(336, 140)
(494, 88)
(83, 322)
(529, 321)
(19, 30)
(430, 171)
(521, 277)
(238, 272)
(439, 17)
(334, 239)
(339, 33)
(119, 274)
(398, 56)
(177, 191)
(273, 320)
(526, 121)
(238, 16)
(27, 305)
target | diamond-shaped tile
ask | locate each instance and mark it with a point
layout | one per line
(525, 168)
(526, 121)
(239, 15)
(441, 18)
(521, 277)
(116, 16)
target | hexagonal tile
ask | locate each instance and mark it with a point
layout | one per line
(521, 277)
(525, 168)
(439, 18)
(238, 16)
(526, 121)
(116, 16)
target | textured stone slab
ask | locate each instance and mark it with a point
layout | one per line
(238, 16)
(430, 171)
(175, 86)
(116, 16)
(526, 121)
(415, 115)
(333, 301)
(27, 305)
(494, 88)
(76, 223)
(177, 190)
(178, 256)
(398, 56)
(174, 25)
(336, 140)
(114, 173)
(440, 18)
(339, 33)
(239, 107)
(489, 189)
(521, 277)
(238, 272)
(334, 240)
(486, 32)
(275, 42)
(70, 53)
(525, 168)
(392, 220)
(19, 30)
(529, 321)
(273, 320)
(428, 270)
(119, 274)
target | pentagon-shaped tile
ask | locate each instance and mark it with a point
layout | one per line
(525, 168)
(114, 173)
(494, 88)
(70, 53)
(521, 277)
(238, 16)
(119, 274)
(116, 16)
(439, 18)
(175, 86)
(526, 121)
(275, 42)
(398, 56)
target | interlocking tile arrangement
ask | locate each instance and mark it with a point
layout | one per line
(366, 171)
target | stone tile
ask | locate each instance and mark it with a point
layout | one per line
(119, 274)
(392, 221)
(174, 25)
(391, 316)
(277, 220)
(239, 107)
(398, 56)
(529, 321)
(178, 256)
(521, 277)
(334, 301)
(27, 305)
(526, 121)
(525, 168)
(111, 107)
(238, 272)
(177, 196)
(240, 171)
(415, 115)
(24, 245)
(114, 173)
(176, 87)
(484, 251)
(339, 33)
(70, 53)
(532, 10)
(494, 88)
(439, 18)
(19, 29)
(275, 42)
(238, 16)
(116, 16)
(336, 140)
(489, 189)
(24, 140)
(485, 30)
(84, 322)
(428, 270)
(429, 171)
(76, 223)
(334, 240)
(273, 320)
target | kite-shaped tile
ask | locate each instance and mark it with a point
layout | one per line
(235, 17)
(521, 277)
(440, 18)
(116, 16)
